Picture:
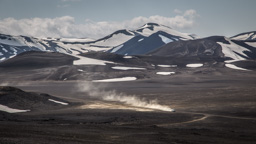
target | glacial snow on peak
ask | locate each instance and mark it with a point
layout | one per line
(149, 29)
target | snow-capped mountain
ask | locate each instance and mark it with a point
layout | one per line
(150, 37)
(141, 44)
(121, 36)
(151, 28)
(245, 36)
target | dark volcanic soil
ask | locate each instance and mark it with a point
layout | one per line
(212, 106)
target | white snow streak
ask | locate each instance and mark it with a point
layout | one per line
(165, 73)
(116, 79)
(127, 57)
(11, 110)
(63, 103)
(194, 65)
(167, 66)
(140, 39)
(89, 61)
(116, 48)
(76, 40)
(2, 59)
(127, 68)
(235, 67)
(5, 50)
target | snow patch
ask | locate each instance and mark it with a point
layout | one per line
(127, 57)
(235, 67)
(167, 66)
(58, 102)
(79, 47)
(2, 59)
(253, 44)
(11, 42)
(140, 39)
(115, 40)
(116, 48)
(12, 56)
(11, 110)
(76, 40)
(45, 43)
(194, 65)
(80, 70)
(231, 49)
(165, 39)
(89, 61)
(5, 50)
(165, 73)
(127, 68)
(116, 79)
(231, 61)
(254, 37)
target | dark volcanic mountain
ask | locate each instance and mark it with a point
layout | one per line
(38, 59)
(200, 47)
(217, 47)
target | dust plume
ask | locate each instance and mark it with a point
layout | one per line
(129, 100)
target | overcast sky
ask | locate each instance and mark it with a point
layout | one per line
(97, 18)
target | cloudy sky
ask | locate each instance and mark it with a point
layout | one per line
(97, 18)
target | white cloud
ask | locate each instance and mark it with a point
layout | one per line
(67, 27)
(177, 11)
(191, 13)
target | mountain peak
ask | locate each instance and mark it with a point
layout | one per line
(151, 24)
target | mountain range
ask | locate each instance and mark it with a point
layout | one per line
(150, 40)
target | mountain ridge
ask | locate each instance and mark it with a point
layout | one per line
(142, 41)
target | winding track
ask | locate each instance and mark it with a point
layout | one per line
(205, 116)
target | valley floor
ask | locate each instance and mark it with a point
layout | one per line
(208, 109)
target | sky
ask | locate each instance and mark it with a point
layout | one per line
(98, 18)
